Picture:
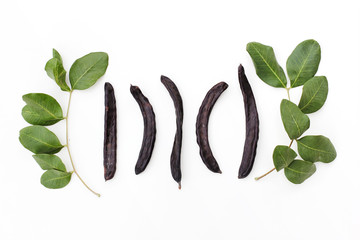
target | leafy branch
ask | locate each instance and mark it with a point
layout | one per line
(301, 67)
(43, 110)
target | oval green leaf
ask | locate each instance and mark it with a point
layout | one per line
(283, 156)
(49, 161)
(314, 94)
(294, 120)
(55, 179)
(316, 149)
(87, 70)
(298, 171)
(303, 62)
(41, 109)
(39, 139)
(267, 68)
(55, 70)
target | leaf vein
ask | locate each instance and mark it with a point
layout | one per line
(269, 67)
(45, 143)
(315, 149)
(53, 179)
(297, 171)
(303, 65)
(45, 109)
(313, 96)
(87, 70)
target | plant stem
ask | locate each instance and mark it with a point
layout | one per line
(258, 178)
(68, 149)
(291, 143)
(288, 93)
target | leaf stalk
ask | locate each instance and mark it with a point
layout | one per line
(288, 93)
(68, 148)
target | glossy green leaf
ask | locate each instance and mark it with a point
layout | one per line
(303, 62)
(55, 70)
(283, 156)
(316, 149)
(267, 68)
(87, 70)
(41, 109)
(295, 121)
(39, 139)
(49, 161)
(298, 171)
(55, 179)
(314, 94)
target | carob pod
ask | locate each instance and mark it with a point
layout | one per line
(176, 151)
(149, 129)
(109, 132)
(202, 126)
(252, 125)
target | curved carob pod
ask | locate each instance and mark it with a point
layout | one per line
(149, 129)
(252, 125)
(109, 132)
(176, 151)
(202, 126)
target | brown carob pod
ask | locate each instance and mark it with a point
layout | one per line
(109, 132)
(176, 151)
(202, 126)
(149, 129)
(252, 125)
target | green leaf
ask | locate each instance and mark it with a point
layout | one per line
(39, 139)
(55, 70)
(298, 171)
(283, 156)
(87, 70)
(55, 179)
(316, 149)
(57, 55)
(49, 161)
(266, 65)
(295, 121)
(314, 94)
(41, 109)
(303, 62)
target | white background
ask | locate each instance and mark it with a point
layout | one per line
(196, 44)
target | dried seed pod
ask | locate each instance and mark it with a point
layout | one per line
(252, 125)
(109, 132)
(202, 126)
(149, 129)
(176, 151)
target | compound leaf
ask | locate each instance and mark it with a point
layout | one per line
(295, 122)
(49, 161)
(55, 179)
(41, 109)
(87, 70)
(298, 171)
(39, 139)
(316, 149)
(314, 94)
(283, 156)
(303, 62)
(267, 68)
(55, 70)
